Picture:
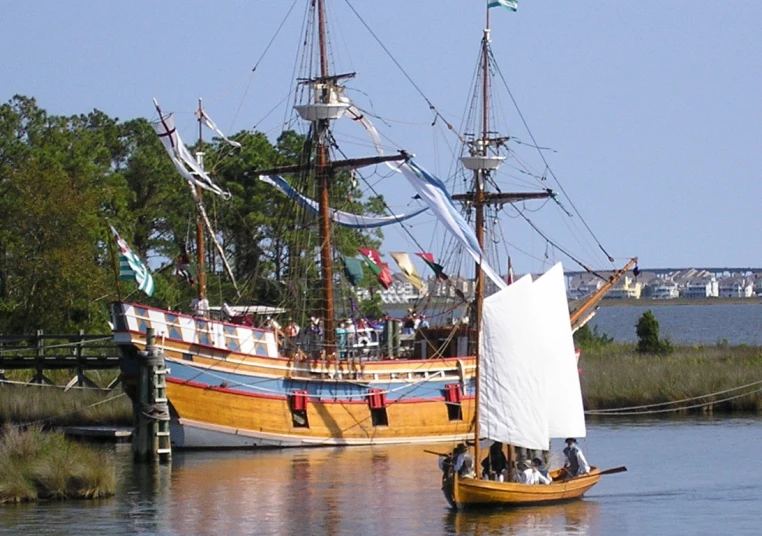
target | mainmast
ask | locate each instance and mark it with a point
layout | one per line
(319, 133)
(200, 250)
(326, 103)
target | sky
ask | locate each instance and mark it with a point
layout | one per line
(652, 108)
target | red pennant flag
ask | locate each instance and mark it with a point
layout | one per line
(380, 269)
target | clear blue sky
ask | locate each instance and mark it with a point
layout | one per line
(653, 107)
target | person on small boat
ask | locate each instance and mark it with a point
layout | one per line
(494, 465)
(540, 474)
(522, 473)
(576, 464)
(460, 460)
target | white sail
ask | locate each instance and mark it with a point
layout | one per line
(566, 417)
(529, 387)
(512, 401)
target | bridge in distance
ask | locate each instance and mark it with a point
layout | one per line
(714, 270)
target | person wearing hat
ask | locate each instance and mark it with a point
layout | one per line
(522, 473)
(539, 473)
(576, 464)
(462, 461)
(495, 463)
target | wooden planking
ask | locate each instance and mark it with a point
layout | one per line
(348, 420)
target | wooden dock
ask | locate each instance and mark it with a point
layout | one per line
(76, 352)
(109, 434)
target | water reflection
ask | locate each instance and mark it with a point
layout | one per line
(578, 517)
(396, 490)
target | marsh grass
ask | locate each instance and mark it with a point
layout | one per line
(38, 465)
(617, 376)
(27, 404)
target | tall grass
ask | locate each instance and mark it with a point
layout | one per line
(617, 376)
(45, 465)
(31, 404)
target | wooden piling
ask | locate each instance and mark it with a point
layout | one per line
(151, 440)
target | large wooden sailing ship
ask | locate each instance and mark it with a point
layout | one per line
(232, 384)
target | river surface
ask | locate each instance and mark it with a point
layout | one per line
(693, 476)
(736, 323)
(686, 324)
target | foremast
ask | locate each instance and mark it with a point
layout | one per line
(483, 160)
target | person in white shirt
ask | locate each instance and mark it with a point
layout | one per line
(200, 306)
(539, 474)
(576, 464)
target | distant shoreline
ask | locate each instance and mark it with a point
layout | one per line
(629, 302)
(650, 302)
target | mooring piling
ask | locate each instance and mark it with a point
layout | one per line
(151, 440)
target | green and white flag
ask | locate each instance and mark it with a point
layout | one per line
(513, 5)
(131, 267)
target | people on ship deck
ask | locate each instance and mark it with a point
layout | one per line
(292, 329)
(540, 474)
(576, 464)
(495, 464)
(200, 306)
(408, 323)
(271, 323)
(341, 340)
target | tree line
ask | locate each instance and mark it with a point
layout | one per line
(64, 179)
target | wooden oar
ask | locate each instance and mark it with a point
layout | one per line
(621, 469)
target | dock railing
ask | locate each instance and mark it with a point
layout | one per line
(76, 352)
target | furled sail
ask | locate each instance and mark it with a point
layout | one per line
(212, 126)
(435, 194)
(345, 219)
(184, 162)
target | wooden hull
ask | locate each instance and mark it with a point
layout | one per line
(464, 493)
(226, 391)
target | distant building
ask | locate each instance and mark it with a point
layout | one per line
(704, 288)
(627, 287)
(664, 290)
(736, 288)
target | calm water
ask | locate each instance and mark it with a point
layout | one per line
(687, 476)
(682, 324)
(686, 324)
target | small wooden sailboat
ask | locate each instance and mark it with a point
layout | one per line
(527, 382)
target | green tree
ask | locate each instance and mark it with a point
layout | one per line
(587, 339)
(647, 330)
